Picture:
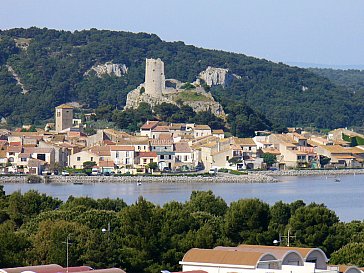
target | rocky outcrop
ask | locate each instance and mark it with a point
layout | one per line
(217, 76)
(17, 78)
(135, 97)
(108, 68)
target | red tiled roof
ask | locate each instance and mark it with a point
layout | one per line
(161, 129)
(100, 150)
(14, 149)
(182, 147)
(106, 163)
(147, 154)
(121, 148)
(149, 125)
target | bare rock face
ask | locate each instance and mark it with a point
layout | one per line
(108, 68)
(208, 103)
(18, 80)
(217, 76)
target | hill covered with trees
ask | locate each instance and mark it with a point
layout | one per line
(147, 238)
(51, 67)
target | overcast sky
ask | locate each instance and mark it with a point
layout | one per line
(291, 31)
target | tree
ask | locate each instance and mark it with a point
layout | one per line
(351, 253)
(245, 219)
(207, 202)
(13, 246)
(313, 224)
(88, 165)
(152, 165)
(269, 159)
(49, 243)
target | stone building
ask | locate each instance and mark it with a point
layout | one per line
(64, 117)
(154, 77)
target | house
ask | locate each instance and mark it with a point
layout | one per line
(76, 160)
(201, 130)
(341, 156)
(256, 258)
(165, 152)
(146, 129)
(140, 143)
(216, 154)
(144, 158)
(160, 130)
(36, 166)
(106, 166)
(184, 156)
(218, 133)
(123, 156)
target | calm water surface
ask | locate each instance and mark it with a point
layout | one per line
(345, 197)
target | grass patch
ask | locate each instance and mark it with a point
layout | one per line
(192, 96)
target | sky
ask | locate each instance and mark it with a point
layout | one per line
(301, 32)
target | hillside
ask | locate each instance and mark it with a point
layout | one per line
(53, 67)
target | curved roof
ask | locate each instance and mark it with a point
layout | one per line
(305, 252)
(217, 256)
(279, 253)
(50, 268)
(348, 268)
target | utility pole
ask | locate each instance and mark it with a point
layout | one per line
(67, 242)
(287, 237)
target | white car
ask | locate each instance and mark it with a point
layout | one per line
(65, 173)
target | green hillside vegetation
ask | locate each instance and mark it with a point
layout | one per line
(192, 96)
(53, 67)
(147, 238)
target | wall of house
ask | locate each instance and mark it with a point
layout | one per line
(77, 159)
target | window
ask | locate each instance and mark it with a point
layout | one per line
(139, 148)
(186, 157)
(11, 153)
(117, 154)
(227, 158)
(92, 159)
(41, 157)
(127, 154)
(162, 156)
(58, 113)
(23, 159)
(144, 160)
(169, 157)
(78, 158)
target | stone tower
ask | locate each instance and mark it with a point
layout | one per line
(155, 81)
(64, 117)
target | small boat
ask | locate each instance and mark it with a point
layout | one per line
(139, 183)
(337, 179)
(77, 183)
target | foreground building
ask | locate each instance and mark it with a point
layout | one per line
(257, 258)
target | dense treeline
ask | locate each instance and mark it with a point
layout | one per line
(53, 68)
(144, 237)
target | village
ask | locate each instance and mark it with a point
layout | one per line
(171, 147)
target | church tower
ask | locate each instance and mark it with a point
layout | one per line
(155, 81)
(64, 117)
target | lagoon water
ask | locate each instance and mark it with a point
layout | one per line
(346, 197)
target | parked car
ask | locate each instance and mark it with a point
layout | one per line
(65, 173)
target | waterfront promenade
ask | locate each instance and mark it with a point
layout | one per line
(251, 177)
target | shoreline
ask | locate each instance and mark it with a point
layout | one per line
(251, 177)
(312, 172)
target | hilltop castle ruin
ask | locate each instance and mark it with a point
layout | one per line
(155, 91)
